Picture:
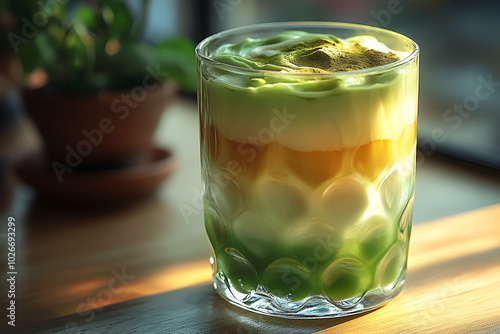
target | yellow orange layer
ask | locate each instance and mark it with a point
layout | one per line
(314, 168)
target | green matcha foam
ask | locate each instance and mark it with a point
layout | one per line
(298, 51)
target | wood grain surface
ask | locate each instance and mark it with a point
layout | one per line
(452, 287)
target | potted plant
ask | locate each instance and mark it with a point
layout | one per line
(101, 77)
(96, 90)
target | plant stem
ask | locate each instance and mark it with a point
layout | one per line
(141, 23)
(62, 65)
(100, 17)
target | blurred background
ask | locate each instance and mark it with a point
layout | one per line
(77, 49)
(459, 114)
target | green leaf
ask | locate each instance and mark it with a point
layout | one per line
(79, 56)
(59, 9)
(57, 34)
(129, 66)
(42, 49)
(118, 19)
(176, 56)
(85, 15)
(30, 56)
(47, 50)
(180, 43)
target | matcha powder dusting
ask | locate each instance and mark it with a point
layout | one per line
(330, 56)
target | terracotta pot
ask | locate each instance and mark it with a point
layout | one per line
(112, 128)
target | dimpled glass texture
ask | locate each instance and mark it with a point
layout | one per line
(308, 195)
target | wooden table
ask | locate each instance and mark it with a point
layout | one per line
(452, 287)
(144, 268)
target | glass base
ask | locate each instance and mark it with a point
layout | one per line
(314, 307)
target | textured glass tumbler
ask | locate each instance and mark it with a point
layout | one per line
(308, 179)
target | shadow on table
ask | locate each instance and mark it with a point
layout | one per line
(197, 309)
(66, 255)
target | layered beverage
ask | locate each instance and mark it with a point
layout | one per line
(308, 135)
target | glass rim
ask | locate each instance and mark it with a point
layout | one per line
(311, 24)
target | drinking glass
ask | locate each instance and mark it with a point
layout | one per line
(308, 178)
